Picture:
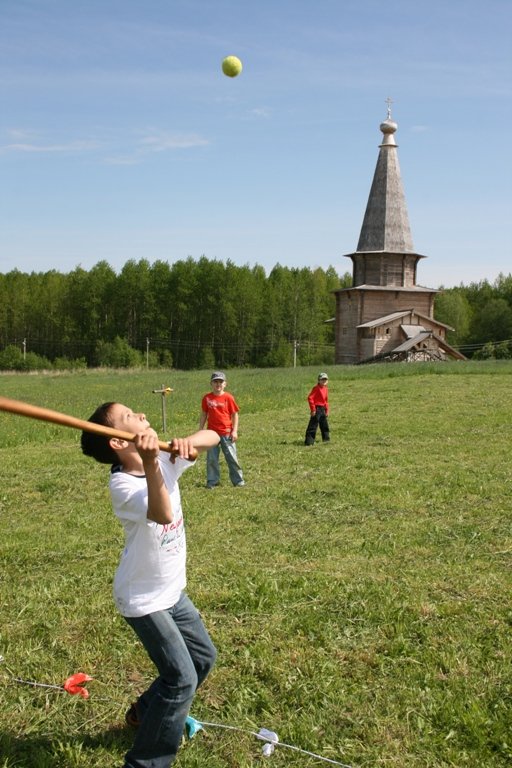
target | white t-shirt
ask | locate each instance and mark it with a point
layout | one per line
(152, 571)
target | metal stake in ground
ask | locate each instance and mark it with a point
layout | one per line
(163, 391)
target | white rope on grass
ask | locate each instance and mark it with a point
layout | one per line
(272, 739)
(38, 685)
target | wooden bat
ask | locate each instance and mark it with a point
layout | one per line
(44, 414)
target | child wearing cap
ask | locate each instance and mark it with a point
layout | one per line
(318, 400)
(219, 412)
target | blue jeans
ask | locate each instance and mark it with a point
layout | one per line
(179, 645)
(228, 448)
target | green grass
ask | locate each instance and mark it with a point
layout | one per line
(358, 592)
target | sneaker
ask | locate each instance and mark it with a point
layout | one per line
(132, 716)
(240, 485)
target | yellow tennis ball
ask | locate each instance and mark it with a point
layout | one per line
(231, 66)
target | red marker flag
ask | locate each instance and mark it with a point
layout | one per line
(75, 684)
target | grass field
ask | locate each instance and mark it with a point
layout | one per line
(359, 592)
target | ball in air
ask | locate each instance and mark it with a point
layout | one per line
(231, 66)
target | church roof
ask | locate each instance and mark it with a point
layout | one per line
(412, 330)
(385, 319)
(386, 221)
(413, 342)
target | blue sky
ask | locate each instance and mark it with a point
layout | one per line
(121, 139)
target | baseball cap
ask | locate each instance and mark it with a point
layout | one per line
(218, 376)
(322, 376)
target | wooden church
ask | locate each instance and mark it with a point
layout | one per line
(386, 315)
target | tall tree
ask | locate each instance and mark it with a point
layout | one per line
(453, 308)
(492, 322)
(88, 306)
(17, 310)
(243, 305)
(183, 286)
(135, 303)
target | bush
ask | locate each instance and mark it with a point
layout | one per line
(206, 359)
(503, 350)
(11, 358)
(118, 354)
(33, 362)
(320, 356)
(491, 351)
(165, 358)
(279, 357)
(63, 364)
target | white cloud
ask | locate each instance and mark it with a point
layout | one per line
(165, 142)
(157, 142)
(151, 143)
(72, 146)
(264, 112)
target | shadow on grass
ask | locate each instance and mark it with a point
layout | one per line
(33, 751)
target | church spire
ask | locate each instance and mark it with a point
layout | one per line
(386, 222)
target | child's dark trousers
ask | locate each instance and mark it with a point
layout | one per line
(318, 419)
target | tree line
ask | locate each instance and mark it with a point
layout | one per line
(206, 313)
(191, 314)
(481, 315)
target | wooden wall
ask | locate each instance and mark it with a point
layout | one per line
(347, 314)
(379, 303)
(385, 269)
(354, 307)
